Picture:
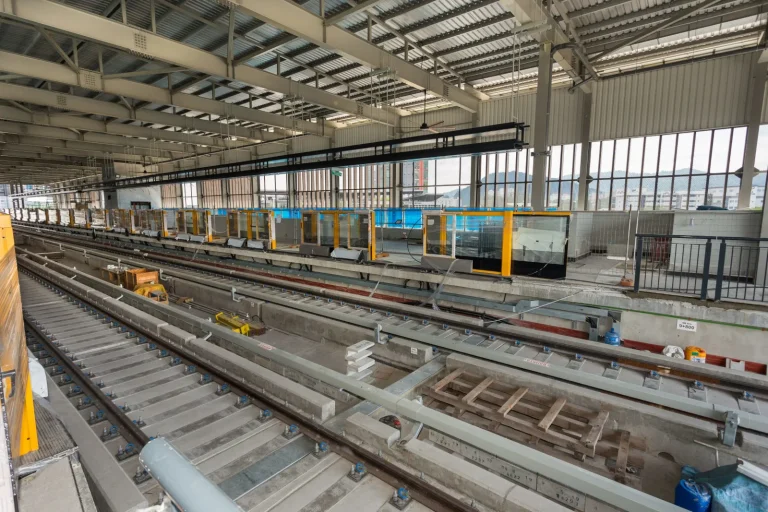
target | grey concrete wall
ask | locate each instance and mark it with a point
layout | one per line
(745, 343)
(142, 194)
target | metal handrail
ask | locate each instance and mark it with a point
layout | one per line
(704, 237)
(707, 264)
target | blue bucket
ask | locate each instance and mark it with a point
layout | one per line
(612, 338)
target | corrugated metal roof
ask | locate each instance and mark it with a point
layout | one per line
(471, 34)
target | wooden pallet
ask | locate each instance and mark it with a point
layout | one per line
(567, 427)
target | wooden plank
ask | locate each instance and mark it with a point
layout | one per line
(512, 401)
(546, 422)
(591, 437)
(529, 427)
(528, 405)
(472, 395)
(621, 459)
(507, 389)
(447, 379)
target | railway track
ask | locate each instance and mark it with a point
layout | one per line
(131, 388)
(700, 390)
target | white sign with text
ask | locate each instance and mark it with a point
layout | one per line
(686, 325)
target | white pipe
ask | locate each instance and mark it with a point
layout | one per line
(187, 487)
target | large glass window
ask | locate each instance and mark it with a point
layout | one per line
(366, 186)
(189, 194)
(672, 171)
(443, 183)
(313, 189)
(273, 191)
(506, 178)
(211, 194)
(170, 195)
(240, 192)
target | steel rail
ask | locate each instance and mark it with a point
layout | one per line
(580, 479)
(111, 411)
(420, 490)
(600, 352)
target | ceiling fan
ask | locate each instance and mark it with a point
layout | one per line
(424, 126)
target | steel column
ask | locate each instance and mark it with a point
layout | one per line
(541, 128)
(754, 114)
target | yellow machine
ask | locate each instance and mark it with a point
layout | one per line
(337, 229)
(155, 292)
(500, 243)
(234, 323)
(194, 225)
(255, 226)
(139, 280)
(71, 217)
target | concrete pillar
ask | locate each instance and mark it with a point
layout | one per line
(586, 124)
(541, 128)
(754, 112)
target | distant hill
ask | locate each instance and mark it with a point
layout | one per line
(697, 184)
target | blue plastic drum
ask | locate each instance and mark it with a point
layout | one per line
(612, 338)
(693, 496)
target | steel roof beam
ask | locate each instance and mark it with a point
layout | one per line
(26, 151)
(628, 31)
(394, 13)
(222, 29)
(135, 134)
(360, 6)
(5, 154)
(529, 64)
(49, 132)
(131, 89)
(532, 11)
(53, 164)
(53, 99)
(627, 19)
(47, 142)
(152, 46)
(288, 16)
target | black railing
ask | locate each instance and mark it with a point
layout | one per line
(709, 267)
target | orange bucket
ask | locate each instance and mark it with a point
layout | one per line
(695, 354)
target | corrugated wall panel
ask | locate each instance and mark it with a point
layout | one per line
(565, 114)
(453, 118)
(700, 95)
(361, 134)
(310, 143)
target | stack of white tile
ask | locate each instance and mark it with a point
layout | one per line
(359, 364)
